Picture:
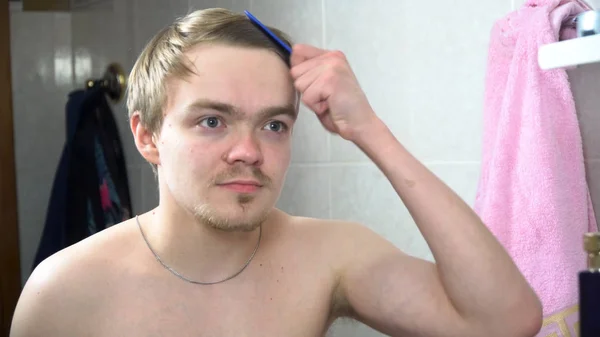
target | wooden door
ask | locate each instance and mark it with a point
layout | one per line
(10, 274)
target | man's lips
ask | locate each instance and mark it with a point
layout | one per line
(242, 186)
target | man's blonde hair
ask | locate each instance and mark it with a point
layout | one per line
(163, 56)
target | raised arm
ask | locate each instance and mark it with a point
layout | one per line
(473, 289)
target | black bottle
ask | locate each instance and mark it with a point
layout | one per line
(589, 288)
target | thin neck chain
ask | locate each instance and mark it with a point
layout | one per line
(187, 279)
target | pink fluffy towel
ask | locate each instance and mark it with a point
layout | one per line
(532, 192)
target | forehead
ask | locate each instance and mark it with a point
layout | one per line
(250, 79)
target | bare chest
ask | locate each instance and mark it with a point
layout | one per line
(270, 306)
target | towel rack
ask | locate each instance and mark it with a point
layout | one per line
(584, 49)
(573, 52)
(113, 82)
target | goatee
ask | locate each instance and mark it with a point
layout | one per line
(206, 214)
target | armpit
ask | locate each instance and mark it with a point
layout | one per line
(340, 307)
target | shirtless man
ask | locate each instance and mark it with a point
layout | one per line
(212, 104)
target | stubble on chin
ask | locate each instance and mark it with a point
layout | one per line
(206, 214)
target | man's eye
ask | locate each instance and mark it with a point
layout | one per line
(210, 122)
(276, 126)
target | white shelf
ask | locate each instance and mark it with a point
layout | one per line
(568, 53)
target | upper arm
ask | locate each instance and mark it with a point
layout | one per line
(38, 310)
(51, 303)
(393, 292)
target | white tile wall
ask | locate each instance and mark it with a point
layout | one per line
(306, 192)
(41, 78)
(422, 65)
(151, 16)
(447, 56)
(234, 5)
(360, 192)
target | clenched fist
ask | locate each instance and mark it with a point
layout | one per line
(330, 89)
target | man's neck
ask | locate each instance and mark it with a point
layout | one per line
(196, 250)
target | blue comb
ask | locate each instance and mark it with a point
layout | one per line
(268, 32)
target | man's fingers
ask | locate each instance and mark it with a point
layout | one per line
(306, 79)
(316, 95)
(303, 52)
(325, 119)
(306, 66)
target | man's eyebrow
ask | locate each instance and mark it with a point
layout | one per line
(206, 104)
(228, 109)
(287, 110)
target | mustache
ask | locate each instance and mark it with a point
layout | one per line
(240, 172)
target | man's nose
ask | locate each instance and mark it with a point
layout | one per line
(245, 148)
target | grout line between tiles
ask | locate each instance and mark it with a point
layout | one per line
(323, 25)
(329, 164)
(452, 162)
(323, 45)
(369, 163)
(328, 148)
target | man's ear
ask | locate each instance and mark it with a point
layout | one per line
(144, 139)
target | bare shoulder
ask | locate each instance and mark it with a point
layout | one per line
(65, 287)
(352, 250)
(346, 238)
(342, 243)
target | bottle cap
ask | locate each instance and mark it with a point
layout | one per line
(591, 242)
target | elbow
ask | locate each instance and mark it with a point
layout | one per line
(533, 315)
(526, 321)
(523, 319)
(531, 322)
(536, 321)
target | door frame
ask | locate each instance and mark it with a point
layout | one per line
(10, 270)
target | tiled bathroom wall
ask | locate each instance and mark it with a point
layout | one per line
(42, 76)
(421, 63)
